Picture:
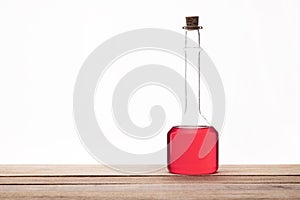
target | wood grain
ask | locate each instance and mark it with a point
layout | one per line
(77, 170)
(98, 181)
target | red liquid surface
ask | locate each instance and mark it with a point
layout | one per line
(192, 150)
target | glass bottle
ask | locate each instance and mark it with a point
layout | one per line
(192, 146)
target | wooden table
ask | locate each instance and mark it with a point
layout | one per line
(99, 182)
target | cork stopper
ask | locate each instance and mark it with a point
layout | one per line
(192, 23)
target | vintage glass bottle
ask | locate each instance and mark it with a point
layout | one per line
(192, 146)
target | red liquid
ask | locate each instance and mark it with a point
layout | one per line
(192, 150)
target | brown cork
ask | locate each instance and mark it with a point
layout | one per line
(192, 23)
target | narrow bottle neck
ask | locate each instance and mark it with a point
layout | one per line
(192, 75)
(192, 52)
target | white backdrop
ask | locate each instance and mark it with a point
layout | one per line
(254, 44)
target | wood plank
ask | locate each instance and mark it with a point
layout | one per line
(152, 191)
(96, 170)
(97, 181)
(104, 180)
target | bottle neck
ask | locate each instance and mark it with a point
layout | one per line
(192, 53)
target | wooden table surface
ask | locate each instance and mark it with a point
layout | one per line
(100, 182)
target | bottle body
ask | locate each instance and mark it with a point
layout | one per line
(193, 150)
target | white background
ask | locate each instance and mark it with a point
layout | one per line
(254, 44)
